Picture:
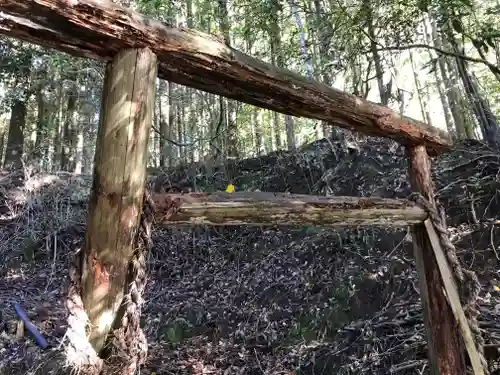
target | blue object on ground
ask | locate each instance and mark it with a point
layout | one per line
(40, 340)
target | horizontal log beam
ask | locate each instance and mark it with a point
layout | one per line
(99, 29)
(259, 208)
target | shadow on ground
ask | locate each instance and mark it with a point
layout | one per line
(261, 300)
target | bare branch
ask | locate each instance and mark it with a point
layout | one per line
(495, 69)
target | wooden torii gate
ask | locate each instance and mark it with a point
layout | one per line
(137, 51)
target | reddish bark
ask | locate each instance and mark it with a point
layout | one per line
(445, 344)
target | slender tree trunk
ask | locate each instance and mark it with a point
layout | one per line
(258, 135)
(439, 83)
(290, 132)
(2, 140)
(41, 126)
(267, 137)
(497, 52)
(277, 58)
(69, 147)
(460, 107)
(180, 130)
(325, 30)
(420, 93)
(274, 36)
(481, 108)
(216, 113)
(232, 129)
(191, 115)
(57, 156)
(86, 154)
(164, 125)
(15, 139)
(171, 122)
(79, 143)
(384, 91)
(450, 89)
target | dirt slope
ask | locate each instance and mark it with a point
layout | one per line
(262, 300)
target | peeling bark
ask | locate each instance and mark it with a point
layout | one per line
(444, 341)
(118, 188)
(259, 208)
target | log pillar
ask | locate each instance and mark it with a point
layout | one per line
(444, 342)
(118, 186)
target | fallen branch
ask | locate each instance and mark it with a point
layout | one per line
(260, 208)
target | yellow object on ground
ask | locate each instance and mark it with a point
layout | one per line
(230, 188)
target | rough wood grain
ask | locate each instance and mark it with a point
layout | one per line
(445, 345)
(99, 29)
(118, 186)
(454, 299)
(260, 208)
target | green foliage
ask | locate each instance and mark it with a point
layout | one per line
(337, 42)
(16, 59)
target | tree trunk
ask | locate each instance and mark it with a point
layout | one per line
(15, 139)
(41, 126)
(86, 152)
(482, 110)
(2, 140)
(450, 89)
(215, 124)
(290, 133)
(276, 130)
(68, 147)
(190, 127)
(480, 106)
(79, 143)
(231, 134)
(420, 94)
(116, 200)
(276, 59)
(258, 132)
(57, 156)
(179, 128)
(439, 79)
(325, 33)
(444, 342)
(384, 91)
(458, 104)
(268, 139)
(164, 117)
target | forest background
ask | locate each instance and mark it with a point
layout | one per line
(436, 61)
(253, 300)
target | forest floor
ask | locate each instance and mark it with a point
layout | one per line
(250, 301)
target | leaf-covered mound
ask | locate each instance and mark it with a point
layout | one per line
(261, 300)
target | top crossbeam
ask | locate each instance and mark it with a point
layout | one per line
(99, 29)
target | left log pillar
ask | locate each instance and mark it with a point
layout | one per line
(118, 186)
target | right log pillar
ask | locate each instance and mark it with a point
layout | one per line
(444, 342)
